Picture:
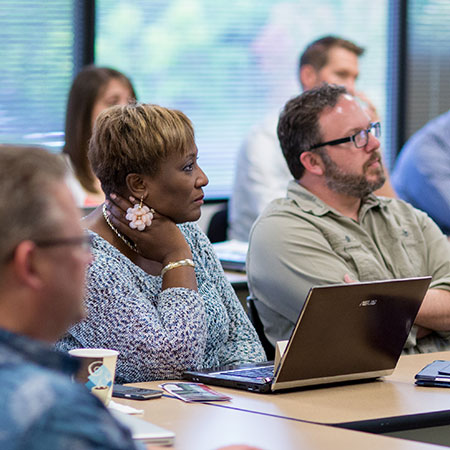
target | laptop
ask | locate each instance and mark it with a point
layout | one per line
(143, 431)
(344, 332)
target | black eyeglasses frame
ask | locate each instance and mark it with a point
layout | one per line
(374, 125)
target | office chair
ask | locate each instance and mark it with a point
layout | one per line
(218, 225)
(256, 321)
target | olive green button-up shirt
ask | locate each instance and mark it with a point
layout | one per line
(299, 242)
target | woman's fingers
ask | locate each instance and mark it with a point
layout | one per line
(157, 240)
(117, 219)
(121, 202)
(117, 208)
(116, 214)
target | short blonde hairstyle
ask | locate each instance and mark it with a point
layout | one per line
(136, 138)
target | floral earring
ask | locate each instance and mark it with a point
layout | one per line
(140, 216)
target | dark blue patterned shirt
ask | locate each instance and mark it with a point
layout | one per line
(42, 408)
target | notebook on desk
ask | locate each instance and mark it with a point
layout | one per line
(143, 431)
(344, 332)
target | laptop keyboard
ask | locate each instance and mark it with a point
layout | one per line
(255, 373)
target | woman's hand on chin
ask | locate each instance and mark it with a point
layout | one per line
(161, 241)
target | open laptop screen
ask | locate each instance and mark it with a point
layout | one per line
(351, 331)
(344, 332)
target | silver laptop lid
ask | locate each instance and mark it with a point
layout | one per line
(350, 331)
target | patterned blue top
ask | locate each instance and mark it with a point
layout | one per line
(159, 334)
(42, 408)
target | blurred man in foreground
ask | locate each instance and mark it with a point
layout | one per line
(43, 257)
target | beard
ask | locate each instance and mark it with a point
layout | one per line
(350, 184)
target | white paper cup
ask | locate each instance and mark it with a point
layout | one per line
(97, 371)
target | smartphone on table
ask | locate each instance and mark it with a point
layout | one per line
(135, 393)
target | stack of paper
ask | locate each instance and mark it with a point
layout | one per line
(232, 254)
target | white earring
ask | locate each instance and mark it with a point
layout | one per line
(140, 216)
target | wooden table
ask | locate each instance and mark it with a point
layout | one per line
(388, 404)
(210, 426)
(392, 403)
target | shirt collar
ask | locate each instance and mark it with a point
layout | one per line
(311, 204)
(19, 348)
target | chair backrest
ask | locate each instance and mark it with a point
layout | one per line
(256, 321)
(218, 225)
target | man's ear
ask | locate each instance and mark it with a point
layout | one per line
(136, 185)
(312, 162)
(308, 77)
(26, 265)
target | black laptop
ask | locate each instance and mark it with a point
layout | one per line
(344, 332)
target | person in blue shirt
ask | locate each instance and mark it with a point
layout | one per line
(421, 174)
(43, 257)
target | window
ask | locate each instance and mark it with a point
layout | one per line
(428, 57)
(37, 66)
(226, 65)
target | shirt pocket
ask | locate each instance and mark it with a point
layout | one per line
(359, 259)
(407, 250)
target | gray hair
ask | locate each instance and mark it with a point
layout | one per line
(28, 175)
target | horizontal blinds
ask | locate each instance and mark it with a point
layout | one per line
(225, 65)
(36, 55)
(428, 63)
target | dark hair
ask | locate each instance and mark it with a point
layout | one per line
(316, 54)
(298, 125)
(85, 90)
(136, 138)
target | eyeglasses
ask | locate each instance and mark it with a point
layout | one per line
(85, 242)
(360, 139)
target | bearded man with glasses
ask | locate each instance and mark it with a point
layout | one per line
(331, 228)
(261, 173)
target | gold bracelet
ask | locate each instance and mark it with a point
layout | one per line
(174, 265)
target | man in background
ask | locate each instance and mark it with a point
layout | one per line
(330, 228)
(43, 256)
(421, 175)
(261, 172)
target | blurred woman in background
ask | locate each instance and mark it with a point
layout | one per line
(93, 90)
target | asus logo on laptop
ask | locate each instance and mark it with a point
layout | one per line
(368, 302)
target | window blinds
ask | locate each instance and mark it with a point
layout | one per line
(36, 70)
(227, 64)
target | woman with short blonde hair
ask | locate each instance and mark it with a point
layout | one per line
(156, 291)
